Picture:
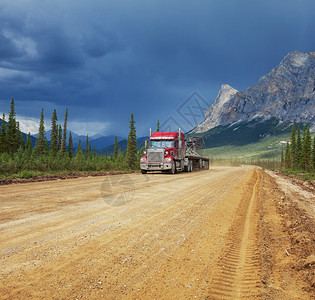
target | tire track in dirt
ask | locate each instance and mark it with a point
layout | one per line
(238, 272)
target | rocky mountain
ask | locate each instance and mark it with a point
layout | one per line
(287, 94)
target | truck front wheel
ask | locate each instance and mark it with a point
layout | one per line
(144, 171)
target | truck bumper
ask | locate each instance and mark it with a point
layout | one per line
(155, 166)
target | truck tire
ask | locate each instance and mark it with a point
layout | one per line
(190, 166)
(144, 171)
(173, 169)
(200, 164)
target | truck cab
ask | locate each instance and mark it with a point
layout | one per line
(164, 153)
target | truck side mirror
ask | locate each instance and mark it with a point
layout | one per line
(146, 144)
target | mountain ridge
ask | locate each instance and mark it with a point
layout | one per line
(287, 93)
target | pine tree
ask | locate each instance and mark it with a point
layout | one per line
(304, 133)
(20, 136)
(287, 157)
(22, 141)
(41, 141)
(64, 137)
(70, 147)
(132, 145)
(299, 149)
(3, 138)
(307, 150)
(313, 153)
(90, 150)
(79, 151)
(94, 152)
(115, 148)
(158, 126)
(59, 137)
(54, 134)
(12, 133)
(293, 147)
(282, 159)
(28, 147)
(87, 145)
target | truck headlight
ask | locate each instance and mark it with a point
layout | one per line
(168, 159)
(143, 159)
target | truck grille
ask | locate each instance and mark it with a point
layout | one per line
(155, 156)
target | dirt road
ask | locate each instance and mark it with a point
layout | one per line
(226, 233)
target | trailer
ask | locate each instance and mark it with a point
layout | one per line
(171, 152)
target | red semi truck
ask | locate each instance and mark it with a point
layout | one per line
(170, 152)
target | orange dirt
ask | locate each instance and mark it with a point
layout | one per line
(226, 233)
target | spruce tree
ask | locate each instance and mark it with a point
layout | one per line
(299, 149)
(87, 145)
(303, 142)
(307, 150)
(79, 151)
(313, 153)
(12, 133)
(22, 141)
(293, 148)
(158, 126)
(115, 148)
(70, 147)
(3, 138)
(132, 145)
(59, 137)
(94, 152)
(90, 150)
(28, 147)
(282, 159)
(41, 141)
(20, 137)
(64, 136)
(54, 134)
(287, 157)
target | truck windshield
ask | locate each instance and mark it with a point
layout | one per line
(161, 143)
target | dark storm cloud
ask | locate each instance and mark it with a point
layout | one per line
(110, 58)
(7, 49)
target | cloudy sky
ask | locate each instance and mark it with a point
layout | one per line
(161, 60)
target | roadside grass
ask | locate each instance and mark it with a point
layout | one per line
(300, 174)
(266, 153)
(268, 148)
(23, 166)
(36, 174)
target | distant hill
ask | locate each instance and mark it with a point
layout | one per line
(33, 139)
(103, 142)
(122, 146)
(243, 133)
(99, 141)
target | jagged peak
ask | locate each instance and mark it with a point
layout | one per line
(225, 86)
(225, 94)
(297, 58)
